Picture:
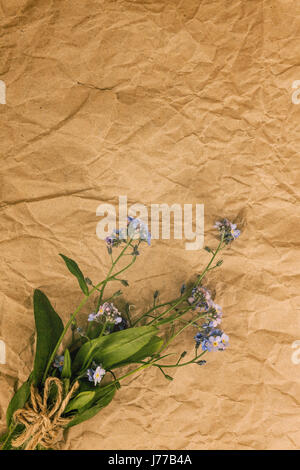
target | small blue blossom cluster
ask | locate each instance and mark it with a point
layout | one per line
(115, 239)
(107, 312)
(136, 229)
(202, 301)
(211, 339)
(59, 362)
(123, 325)
(96, 373)
(229, 229)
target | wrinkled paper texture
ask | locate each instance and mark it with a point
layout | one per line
(166, 101)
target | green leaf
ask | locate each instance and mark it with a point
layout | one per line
(49, 328)
(80, 401)
(148, 350)
(124, 346)
(14, 433)
(66, 371)
(104, 397)
(18, 400)
(74, 269)
(66, 385)
(114, 348)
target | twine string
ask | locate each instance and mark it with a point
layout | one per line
(43, 425)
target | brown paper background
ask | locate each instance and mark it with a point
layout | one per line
(163, 101)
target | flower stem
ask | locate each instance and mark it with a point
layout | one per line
(152, 310)
(180, 364)
(113, 264)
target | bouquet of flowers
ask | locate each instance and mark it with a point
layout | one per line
(71, 383)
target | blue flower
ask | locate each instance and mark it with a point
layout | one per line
(115, 239)
(200, 299)
(136, 228)
(59, 362)
(214, 342)
(122, 325)
(224, 341)
(216, 314)
(229, 229)
(198, 338)
(206, 345)
(216, 332)
(107, 312)
(211, 339)
(90, 374)
(96, 375)
(92, 317)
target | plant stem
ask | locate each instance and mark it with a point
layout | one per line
(192, 361)
(103, 329)
(113, 264)
(182, 363)
(219, 248)
(152, 309)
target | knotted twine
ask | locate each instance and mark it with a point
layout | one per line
(43, 425)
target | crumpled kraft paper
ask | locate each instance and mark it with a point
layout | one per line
(167, 101)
